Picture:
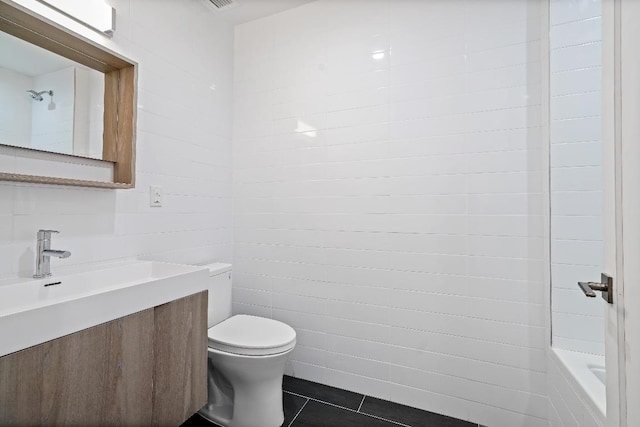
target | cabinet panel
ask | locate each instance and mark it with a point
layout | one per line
(181, 359)
(148, 368)
(21, 386)
(99, 374)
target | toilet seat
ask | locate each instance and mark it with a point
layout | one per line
(251, 336)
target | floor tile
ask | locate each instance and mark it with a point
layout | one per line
(197, 421)
(292, 405)
(407, 415)
(336, 396)
(316, 414)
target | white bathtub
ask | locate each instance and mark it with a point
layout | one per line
(588, 374)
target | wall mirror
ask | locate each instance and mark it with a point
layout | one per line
(49, 102)
(65, 101)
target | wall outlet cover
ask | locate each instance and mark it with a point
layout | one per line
(155, 196)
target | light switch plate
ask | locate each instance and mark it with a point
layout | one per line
(155, 196)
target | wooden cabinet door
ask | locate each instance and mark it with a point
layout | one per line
(99, 376)
(149, 368)
(180, 382)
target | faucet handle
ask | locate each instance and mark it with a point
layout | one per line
(46, 234)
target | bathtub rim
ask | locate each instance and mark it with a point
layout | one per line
(584, 382)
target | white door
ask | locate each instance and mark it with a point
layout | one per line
(621, 197)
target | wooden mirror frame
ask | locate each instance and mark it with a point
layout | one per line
(119, 134)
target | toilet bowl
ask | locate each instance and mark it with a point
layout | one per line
(246, 361)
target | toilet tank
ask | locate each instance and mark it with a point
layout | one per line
(219, 292)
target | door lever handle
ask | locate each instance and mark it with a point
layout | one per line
(605, 286)
(589, 288)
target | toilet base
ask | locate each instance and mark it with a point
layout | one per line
(245, 391)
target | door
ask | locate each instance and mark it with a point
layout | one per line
(621, 197)
(628, 148)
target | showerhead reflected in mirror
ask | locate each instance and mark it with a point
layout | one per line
(48, 102)
(52, 105)
(37, 96)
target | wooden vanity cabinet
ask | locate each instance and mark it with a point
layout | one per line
(148, 368)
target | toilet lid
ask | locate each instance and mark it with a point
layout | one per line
(251, 336)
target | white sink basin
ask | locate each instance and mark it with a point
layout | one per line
(33, 311)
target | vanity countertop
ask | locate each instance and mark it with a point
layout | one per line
(33, 311)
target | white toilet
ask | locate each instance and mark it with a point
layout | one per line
(247, 355)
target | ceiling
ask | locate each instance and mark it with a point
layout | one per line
(28, 59)
(254, 9)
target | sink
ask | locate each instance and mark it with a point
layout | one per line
(33, 311)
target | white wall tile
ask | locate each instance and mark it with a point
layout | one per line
(562, 12)
(400, 231)
(575, 33)
(576, 199)
(580, 129)
(184, 145)
(577, 154)
(575, 82)
(576, 57)
(576, 176)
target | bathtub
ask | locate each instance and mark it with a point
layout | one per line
(588, 373)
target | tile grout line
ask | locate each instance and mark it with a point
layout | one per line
(361, 402)
(385, 419)
(319, 401)
(347, 409)
(298, 413)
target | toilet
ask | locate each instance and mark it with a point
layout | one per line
(246, 360)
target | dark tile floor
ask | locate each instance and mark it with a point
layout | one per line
(309, 404)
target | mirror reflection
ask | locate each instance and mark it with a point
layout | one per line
(48, 102)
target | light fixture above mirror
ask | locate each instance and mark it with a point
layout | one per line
(95, 14)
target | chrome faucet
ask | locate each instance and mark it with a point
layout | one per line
(44, 254)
